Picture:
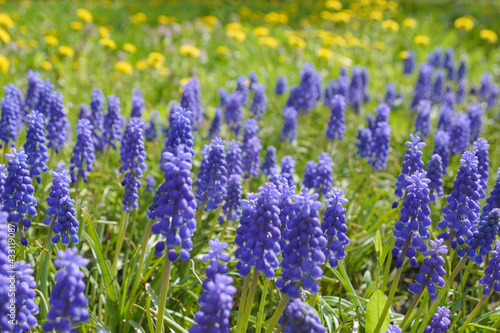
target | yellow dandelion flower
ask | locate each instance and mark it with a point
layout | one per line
(276, 18)
(108, 43)
(141, 64)
(269, 41)
(164, 20)
(351, 40)
(234, 26)
(335, 40)
(190, 51)
(326, 15)
(324, 53)
(47, 65)
(84, 15)
(240, 36)
(6, 21)
(323, 33)
(4, 64)
(392, 5)
(209, 20)
(333, 5)
(183, 81)
(376, 15)
(51, 40)
(390, 25)
(124, 67)
(488, 35)
(261, 31)
(21, 43)
(297, 42)
(404, 54)
(76, 25)
(155, 59)
(23, 29)
(341, 17)
(130, 48)
(104, 32)
(4, 36)
(66, 51)
(410, 23)
(379, 45)
(221, 49)
(422, 40)
(33, 43)
(464, 23)
(138, 18)
(164, 71)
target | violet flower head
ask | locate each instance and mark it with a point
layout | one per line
(446, 113)
(223, 96)
(475, 114)
(258, 106)
(97, 116)
(217, 260)
(390, 94)
(25, 307)
(381, 138)
(460, 134)
(58, 190)
(57, 123)
(462, 210)
(437, 88)
(233, 158)
(233, 114)
(434, 58)
(364, 142)
(432, 271)
(336, 124)
(423, 86)
(68, 303)
(84, 112)
(411, 229)
(330, 91)
(423, 121)
(442, 147)
(174, 206)
(270, 161)
(66, 224)
(191, 101)
(180, 132)
(231, 209)
(212, 177)
(281, 85)
(492, 98)
(287, 166)
(5, 271)
(33, 91)
(461, 91)
(300, 317)
(137, 104)
(490, 280)
(35, 147)
(480, 148)
(253, 80)
(304, 97)
(289, 130)
(449, 64)
(412, 164)
(150, 183)
(258, 235)
(334, 227)
(309, 174)
(113, 122)
(242, 89)
(45, 96)
(440, 321)
(214, 130)
(343, 83)
(409, 63)
(251, 149)
(11, 117)
(83, 153)
(462, 70)
(493, 201)
(323, 182)
(393, 329)
(481, 236)
(356, 89)
(435, 175)
(485, 87)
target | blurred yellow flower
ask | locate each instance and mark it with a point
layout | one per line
(336, 40)
(6, 21)
(4, 36)
(163, 19)
(104, 32)
(4, 64)
(333, 5)
(324, 53)
(141, 65)
(155, 59)
(376, 15)
(190, 51)
(422, 40)
(221, 49)
(33, 43)
(404, 54)
(21, 43)
(66, 50)
(51, 40)
(464, 23)
(390, 25)
(183, 81)
(209, 20)
(240, 36)
(130, 48)
(341, 17)
(138, 18)
(488, 35)
(297, 42)
(124, 67)
(76, 25)
(84, 15)
(23, 29)
(261, 31)
(47, 65)
(164, 71)
(379, 45)
(234, 26)
(276, 18)
(269, 41)
(410, 22)
(108, 43)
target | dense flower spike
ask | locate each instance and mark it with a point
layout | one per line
(289, 130)
(214, 130)
(446, 114)
(393, 329)
(179, 132)
(475, 114)
(251, 149)
(462, 70)
(493, 200)
(309, 174)
(12, 117)
(270, 161)
(17, 196)
(113, 122)
(412, 164)
(462, 210)
(437, 91)
(233, 114)
(449, 64)
(323, 181)
(334, 227)
(223, 95)
(84, 112)
(33, 91)
(68, 303)
(480, 148)
(58, 190)
(150, 183)
(83, 153)
(442, 147)
(57, 123)
(97, 118)
(258, 106)
(423, 121)
(253, 80)
(174, 206)
(492, 99)
(233, 158)
(434, 57)
(25, 306)
(300, 317)
(423, 86)
(242, 89)
(432, 271)
(35, 147)
(305, 96)
(390, 94)
(191, 100)
(5, 272)
(288, 169)
(409, 63)
(380, 146)
(356, 89)
(491, 280)
(259, 233)
(485, 87)
(133, 160)
(364, 142)
(440, 321)
(66, 226)
(137, 104)
(336, 124)
(231, 208)
(281, 85)
(303, 254)
(461, 91)
(44, 103)
(481, 236)
(460, 134)
(212, 177)
(435, 175)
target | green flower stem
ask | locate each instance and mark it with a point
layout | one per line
(280, 328)
(21, 246)
(277, 314)
(260, 315)
(243, 298)
(413, 304)
(163, 294)
(121, 237)
(474, 312)
(44, 246)
(249, 301)
(420, 313)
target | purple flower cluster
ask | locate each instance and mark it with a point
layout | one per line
(390, 94)
(475, 114)
(45, 96)
(300, 317)
(281, 85)
(480, 148)
(491, 280)
(33, 91)
(336, 124)
(58, 190)
(423, 86)
(191, 100)
(412, 164)
(319, 176)
(233, 114)
(440, 321)
(423, 121)
(232, 201)
(364, 142)
(493, 201)
(409, 63)
(258, 106)
(446, 113)
(11, 118)
(288, 169)
(216, 124)
(233, 158)
(242, 89)
(393, 329)
(137, 104)
(66, 226)
(251, 149)
(480, 237)
(460, 133)
(57, 123)
(270, 161)
(379, 147)
(35, 147)
(442, 147)
(334, 227)
(179, 132)
(435, 174)
(83, 151)
(289, 130)
(437, 91)
(25, 306)
(113, 122)
(304, 97)
(97, 117)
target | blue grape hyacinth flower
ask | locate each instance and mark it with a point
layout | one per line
(493, 201)
(440, 321)
(66, 226)
(334, 227)
(409, 63)
(179, 132)
(216, 124)
(381, 138)
(423, 121)
(35, 147)
(300, 317)
(336, 124)
(480, 148)
(191, 101)
(288, 169)
(460, 134)
(97, 117)
(25, 307)
(270, 161)
(33, 91)
(289, 130)
(137, 104)
(259, 102)
(435, 175)
(233, 158)
(231, 209)
(412, 164)
(83, 153)
(475, 114)
(442, 147)
(113, 122)
(57, 123)
(491, 280)
(281, 85)
(480, 237)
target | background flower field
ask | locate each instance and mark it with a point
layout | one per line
(157, 47)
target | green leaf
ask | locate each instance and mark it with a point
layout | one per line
(374, 311)
(378, 244)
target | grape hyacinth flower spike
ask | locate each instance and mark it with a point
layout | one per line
(231, 209)
(491, 280)
(440, 321)
(334, 227)
(423, 121)
(83, 153)
(57, 123)
(137, 104)
(460, 133)
(233, 158)
(480, 148)
(481, 236)
(435, 175)
(25, 306)
(393, 329)
(493, 201)
(180, 132)
(336, 124)
(288, 169)
(97, 117)
(281, 85)
(381, 138)
(300, 317)
(214, 130)
(409, 63)
(258, 106)
(289, 130)
(113, 122)
(270, 161)
(442, 147)
(35, 147)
